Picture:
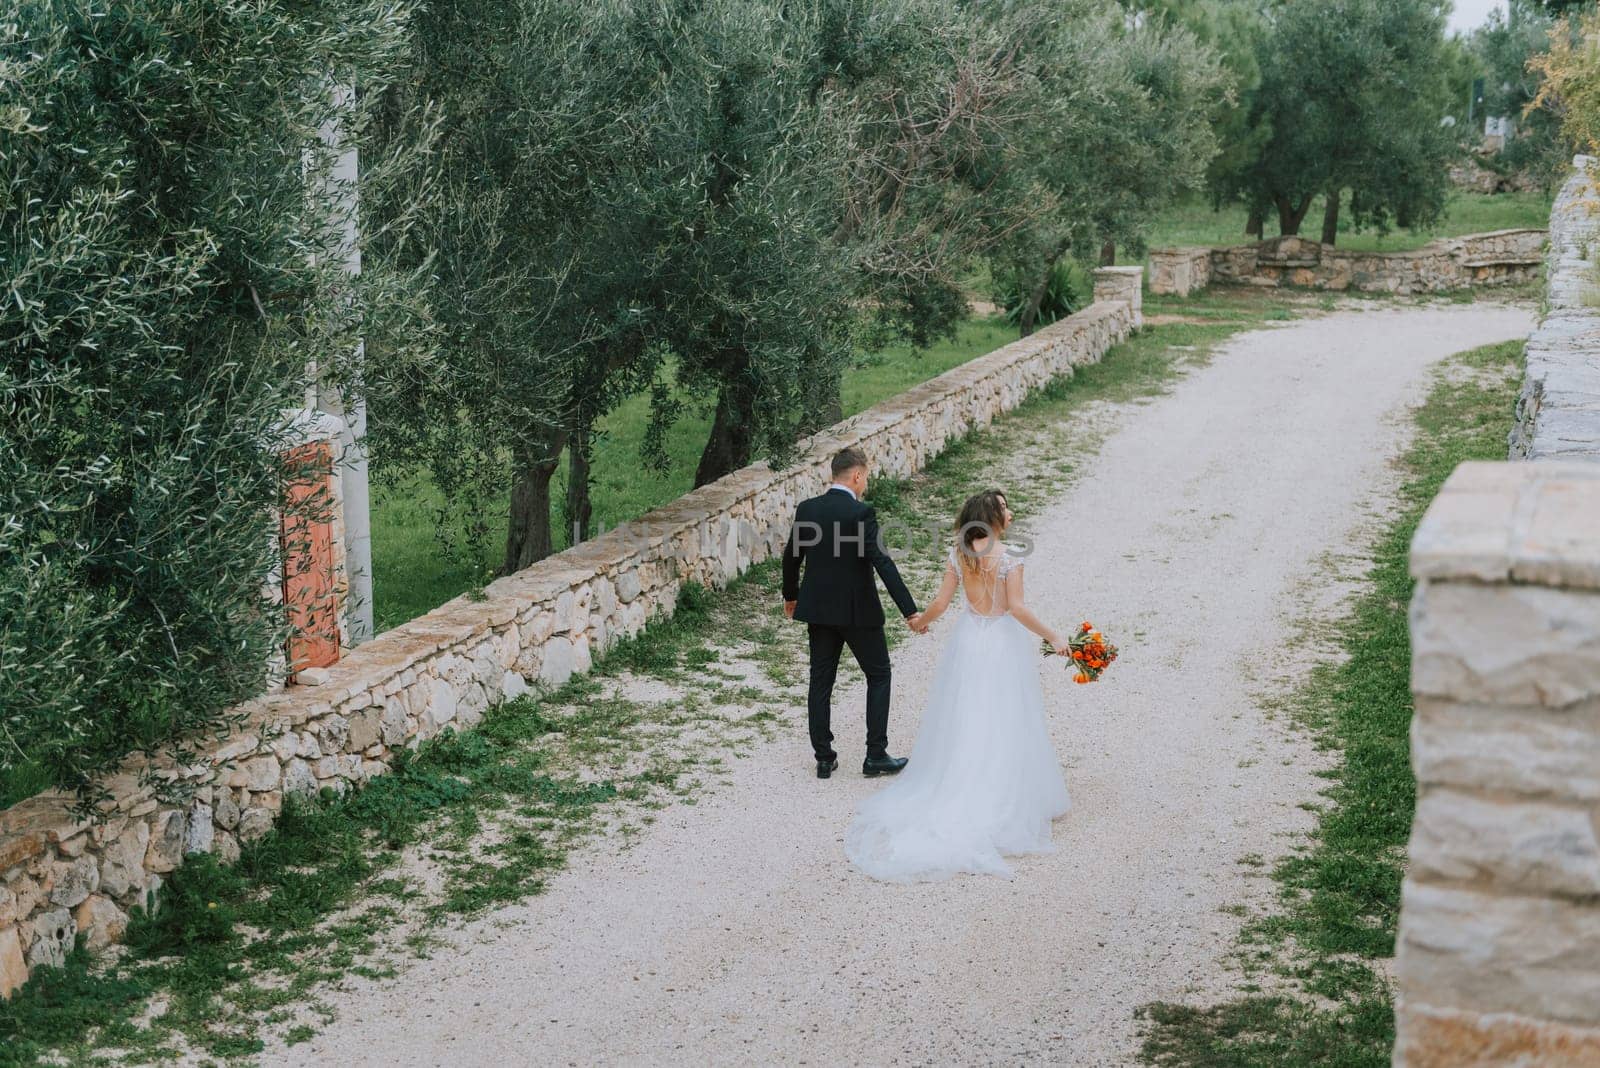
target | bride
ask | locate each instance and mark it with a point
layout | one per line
(983, 782)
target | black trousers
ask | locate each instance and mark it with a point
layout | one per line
(871, 650)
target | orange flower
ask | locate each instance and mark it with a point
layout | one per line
(1080, 678)
(1087, 627)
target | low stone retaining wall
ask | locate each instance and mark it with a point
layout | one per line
(1498, 957)
(61, 878)
(1499, 258)
(1558, 412)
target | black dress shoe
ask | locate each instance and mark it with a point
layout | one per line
(882, 765)
(826, 768)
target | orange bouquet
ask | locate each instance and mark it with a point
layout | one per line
(1091, 653)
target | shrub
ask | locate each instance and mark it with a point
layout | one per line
(1067, 289)
(168, 278)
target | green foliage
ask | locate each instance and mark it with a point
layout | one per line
(1569, 79)
(1067, 288)
(716, 206)
(1501, 51)
(423, 551)
(167, 281)
(1117, 124)
(1351, 96)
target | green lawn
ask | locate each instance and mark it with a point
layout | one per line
(1196, 223)
(414, 572)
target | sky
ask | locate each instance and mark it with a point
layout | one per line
(1469, 14)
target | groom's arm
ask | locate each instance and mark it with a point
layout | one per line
(883, 564)
(791, 564)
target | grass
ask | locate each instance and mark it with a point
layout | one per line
(486, 815)
(236, 956)
(1194, 222)
(1330, 1003)
(413, 571)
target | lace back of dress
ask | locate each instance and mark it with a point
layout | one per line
(985, 590)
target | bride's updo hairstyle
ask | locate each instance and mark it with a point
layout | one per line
(983, 516)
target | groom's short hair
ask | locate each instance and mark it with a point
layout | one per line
(848, 460)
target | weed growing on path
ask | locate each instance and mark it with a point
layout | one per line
(1328, 948)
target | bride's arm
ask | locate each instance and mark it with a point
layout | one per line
(1024, 615)
(947, 590)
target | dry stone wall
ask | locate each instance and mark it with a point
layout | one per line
(1558, 412)
(1503, 257)
(1498, 956)
(61, 877)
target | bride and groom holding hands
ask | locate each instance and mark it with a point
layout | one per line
(982, 782)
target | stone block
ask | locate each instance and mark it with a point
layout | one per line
(298, 778)
(365, 729)
(259, 774)
(122, 862)
(285, 745)
(54, 933)
(557, 662)
(236, 747)
(13, 969)
(334, 734)
(226, 847)
(1431, 1037)
(8, 907)
(1526, 847)
(393, 725)
(513, 686)
(566, 603)
(167, 836)
(1501, 644)
(628, 586)
(442, 705)
(100, 922)
(254, 823)
(1528, 751)
(227, 813)
(1488, 953)
(74, 882)
(74, 846)
(201, 832)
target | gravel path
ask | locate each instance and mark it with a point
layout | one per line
(1220, 515)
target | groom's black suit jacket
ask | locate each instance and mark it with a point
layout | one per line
(836, 537)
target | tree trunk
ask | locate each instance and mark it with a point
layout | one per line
(733, 429)
(1330, 216)
(528, 533)
(579, 507)
(1255, 226)
(824, 403)
(1029, 318)
(1108, 253)
(1291, 215)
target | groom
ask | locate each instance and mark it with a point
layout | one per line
(835, 538)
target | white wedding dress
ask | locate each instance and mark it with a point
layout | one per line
(983, 782)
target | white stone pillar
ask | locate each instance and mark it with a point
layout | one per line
(1498, 957)
(333, 400)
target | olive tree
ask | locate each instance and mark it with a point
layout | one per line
(169, 277)
(1120, 125)
(1351, 98)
